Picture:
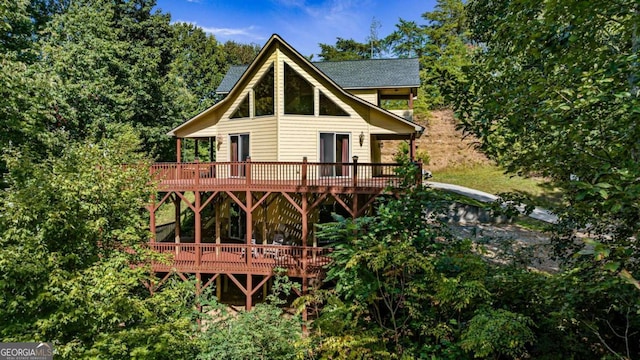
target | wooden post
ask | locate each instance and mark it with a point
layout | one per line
(176, 204)
(247, 170)
(419, 172)
(197, 174)
(198, 292)
(305, 290)
(198, 228)
(249, 289)
(355, 171)
(218, 227)
(219, 287)
(304, 171)
(249, 235)
(178, 150)
(152, 219)
(196, 156)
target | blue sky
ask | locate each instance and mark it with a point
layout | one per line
(302, 23)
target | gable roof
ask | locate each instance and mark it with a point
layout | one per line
(246, 72)
(352, 74)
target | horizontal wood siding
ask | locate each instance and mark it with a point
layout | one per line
(300, 136)
(383, 125)
(262, 130)
(370, 95)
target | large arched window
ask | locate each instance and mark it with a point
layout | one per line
(298, 93)
(263, 93)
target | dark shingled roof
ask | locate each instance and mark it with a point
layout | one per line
(354, 74)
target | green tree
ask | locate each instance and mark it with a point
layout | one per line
(265, 332)
(239, 54)
(446, 52)
(345, 49)
(110, 62)
(72, 226)
(561, 99)
(405, 287)
(24, 90)
(407, 41)
(199, 60)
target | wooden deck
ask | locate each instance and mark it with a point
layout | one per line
(305, 177)
(232, 258)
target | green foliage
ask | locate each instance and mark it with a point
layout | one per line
(401, 277)
(445, 54)
(561, 100)
(344, 49)
(74, 225)
(401, 156)
(498, 332)
(407, 41)
(265, 332)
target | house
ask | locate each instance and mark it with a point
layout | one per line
(291, 142)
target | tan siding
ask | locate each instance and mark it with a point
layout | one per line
(381, 124)
(300, 136)
(262, 137)
(262, 130)
(367, 95)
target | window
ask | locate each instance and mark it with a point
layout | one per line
(243, 109)
(334, 148)
(328, 107)
(298, 93)
(239, 152)
(263, 94)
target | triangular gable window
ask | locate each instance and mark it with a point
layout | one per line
(263, 94)
(298, 93)
(243, 109)
(328, 107)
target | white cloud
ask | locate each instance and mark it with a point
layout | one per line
(249, 32)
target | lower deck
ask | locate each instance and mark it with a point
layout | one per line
(206, 258)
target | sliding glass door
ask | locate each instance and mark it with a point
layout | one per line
(239, 152)
(335, 148)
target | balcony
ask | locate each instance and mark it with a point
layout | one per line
(233, 258)
(276, 176)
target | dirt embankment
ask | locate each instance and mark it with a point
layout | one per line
(446, 146)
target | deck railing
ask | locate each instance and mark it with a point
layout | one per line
(277, 174)
(239, 257)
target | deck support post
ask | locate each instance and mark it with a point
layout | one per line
(355, 171)
(355, 209)
(249, 290)
(304, 171)
(152, 219)
(217, 209)
(178, 150)
(305, 290)
(249, 235)
(219, 287)
(177, 205)
(198, 228)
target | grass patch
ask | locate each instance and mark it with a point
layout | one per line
(493, 180)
